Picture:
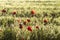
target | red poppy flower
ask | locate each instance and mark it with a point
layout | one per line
(37, 27)
(45, 20)
(33, 12)
(14, 13)
(29, 28)
(20, 26)
(24, 22)
(3, 10)
(28, 20)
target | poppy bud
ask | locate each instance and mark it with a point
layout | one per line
(33, 12)
(3, 10)
(28, 20)
(37, 27)
(20, 26)
(13, 13)
(24, 22)
(45, 21)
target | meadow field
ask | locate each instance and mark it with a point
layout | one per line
(29, 20)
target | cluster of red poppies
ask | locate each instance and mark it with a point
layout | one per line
(14, 12)
(26, 21)
(29, 27)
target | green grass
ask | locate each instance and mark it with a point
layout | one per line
(10, 29)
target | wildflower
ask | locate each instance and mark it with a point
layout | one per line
(45, 20)
(14, 12)
(24, 22)
(37, 27)
(33, 12)
(20, 26)
(29, 28)
(3, 10)
(28, 20)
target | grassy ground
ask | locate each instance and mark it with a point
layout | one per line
(34, 22)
